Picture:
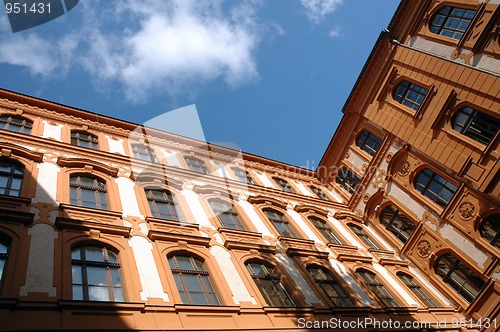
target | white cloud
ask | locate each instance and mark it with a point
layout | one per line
(335, 32)
(162, 47)
(316, 10)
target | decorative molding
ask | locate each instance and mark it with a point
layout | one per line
(87, 164)
(84, 225)
(424, 248)
(7, 149)
(467, 210)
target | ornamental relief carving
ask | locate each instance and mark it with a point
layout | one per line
(466, 210)
(404, 168)
(424, 248)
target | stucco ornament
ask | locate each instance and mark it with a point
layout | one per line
(405, 168)
(467, 210)
(424, 248)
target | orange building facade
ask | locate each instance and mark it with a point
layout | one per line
(108, 225)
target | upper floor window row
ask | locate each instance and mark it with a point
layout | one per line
(284, 185)
(490, 230)
(144, 152)
(11, 178)
(196, 165)
(242, 175)
(435, 187)
(88, 191)
(319, 193)
(452, 22)
(475, 124)
(459, 276)
(409, 94)
(347, 180)
(369, 142)
(397, 223)
(84, 139)
(16, 123)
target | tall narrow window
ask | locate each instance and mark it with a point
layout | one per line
(397, 223)
(284, 185)
(84, 139)
(409, 94)
(226, 214)
(143, 152)
(451, 22)
(490, 230)
(242, 175)
(281, 223)
(378, 288)
(359, 231)
(192, 281)
(459, 276)
(96, 274)
(16, 124)
(269, 285)
(196, 165)
(369, 142)
(347, 180)
(319, 193)
(11, 178)
(325, 230)
(88, 191)
(409, 281)
(434, 187)
(330, 286)
(476, 125)
(4, 254)
(162, 204)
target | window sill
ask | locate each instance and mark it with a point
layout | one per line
(84, 213)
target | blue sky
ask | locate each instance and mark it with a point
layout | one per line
(270, 76)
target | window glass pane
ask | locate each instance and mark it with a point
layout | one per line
(94, 254)
(118, 293)
(97, 293)
(96, 276)
(76, 274)
(77, 292)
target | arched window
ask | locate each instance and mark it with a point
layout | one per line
(143, 152)
(319, 193)
(226, 214)
(96, 274)
(490, 229)
(359, 231)
(242, 175)
(11, 177)
(196, 165)
(83, 139)
(325, 230)
(369, 142)
(162, 204)
(16, 123)
(88, 191)
(281, 223)
(4, 255)
(397, 223)
(451, 22)
(409, 94)
(269, 285)
(378, 288)
(459, 276)
(330, 286)
(409, 281)
(347, 180)
(192, 281)
(434, 187)
(476, 125)
(284, 185)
